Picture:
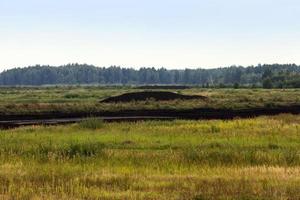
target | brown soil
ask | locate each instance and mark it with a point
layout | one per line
(154, 95)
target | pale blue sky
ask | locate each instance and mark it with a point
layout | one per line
(136, 33)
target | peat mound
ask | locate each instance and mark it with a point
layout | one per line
(164, 87)
(153, 95)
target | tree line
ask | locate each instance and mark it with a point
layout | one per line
(268, 76)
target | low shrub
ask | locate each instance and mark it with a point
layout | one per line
(71, 96)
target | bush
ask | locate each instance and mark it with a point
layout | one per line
(91, 123)
(71, 96)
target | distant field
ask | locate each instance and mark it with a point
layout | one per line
(238, 159)
(87, 99)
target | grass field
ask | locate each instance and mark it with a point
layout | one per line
(237, 159)
(28, 100)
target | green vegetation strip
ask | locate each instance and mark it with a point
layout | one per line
(25, 101)
(238, 159)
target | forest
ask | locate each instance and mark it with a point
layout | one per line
(266, 76)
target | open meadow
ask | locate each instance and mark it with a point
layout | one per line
(255, 158)
(76, 99)
(150, 100)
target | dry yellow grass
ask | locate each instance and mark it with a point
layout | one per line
(194, 160)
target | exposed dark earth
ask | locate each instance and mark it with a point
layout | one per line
(12, 121)
(150, 95)
(52, 118)
(164, 87)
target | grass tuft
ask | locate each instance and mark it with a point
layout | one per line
(91, 123)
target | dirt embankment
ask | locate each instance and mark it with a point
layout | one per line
(150, 95)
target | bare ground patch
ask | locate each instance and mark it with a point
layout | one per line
(151, 95)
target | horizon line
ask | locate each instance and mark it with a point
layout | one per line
(147, 67)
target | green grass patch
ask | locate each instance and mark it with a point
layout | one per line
(92, 123)
(30, 100)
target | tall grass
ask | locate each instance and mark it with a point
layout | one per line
(239, 159)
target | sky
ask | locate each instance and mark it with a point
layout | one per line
(149, 33)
